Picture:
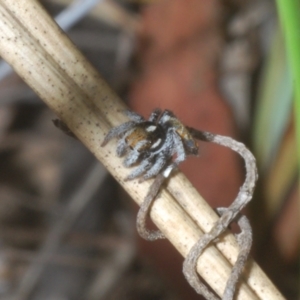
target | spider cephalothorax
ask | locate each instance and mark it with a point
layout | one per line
(155, 145)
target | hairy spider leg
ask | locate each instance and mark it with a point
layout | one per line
(122, 146)
(141, 169)
(117, 131)
(154, 117)
(162, 156)
(134, 116)
(135, 154)
(180, 152)
(160, 161)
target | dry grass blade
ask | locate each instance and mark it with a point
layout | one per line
(41, 54)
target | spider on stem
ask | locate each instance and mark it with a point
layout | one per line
(156, 147)
(152, 144)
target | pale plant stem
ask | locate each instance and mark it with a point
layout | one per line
(49, 63)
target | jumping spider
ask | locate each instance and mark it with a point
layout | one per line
(156, 147)
(152, 144)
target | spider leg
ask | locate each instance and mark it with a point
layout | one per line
(174, 145)
(122, 147)
(134, 155)
(181, 155)
(122, 144)
(117, 131)
(142, 168)
(132, 158)
(163, 156)
(155, 115)
(160, 162)
(136, 118)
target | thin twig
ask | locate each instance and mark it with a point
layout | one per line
(227, 216)
(143, 212)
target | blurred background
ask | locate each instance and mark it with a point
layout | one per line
(67, 230)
